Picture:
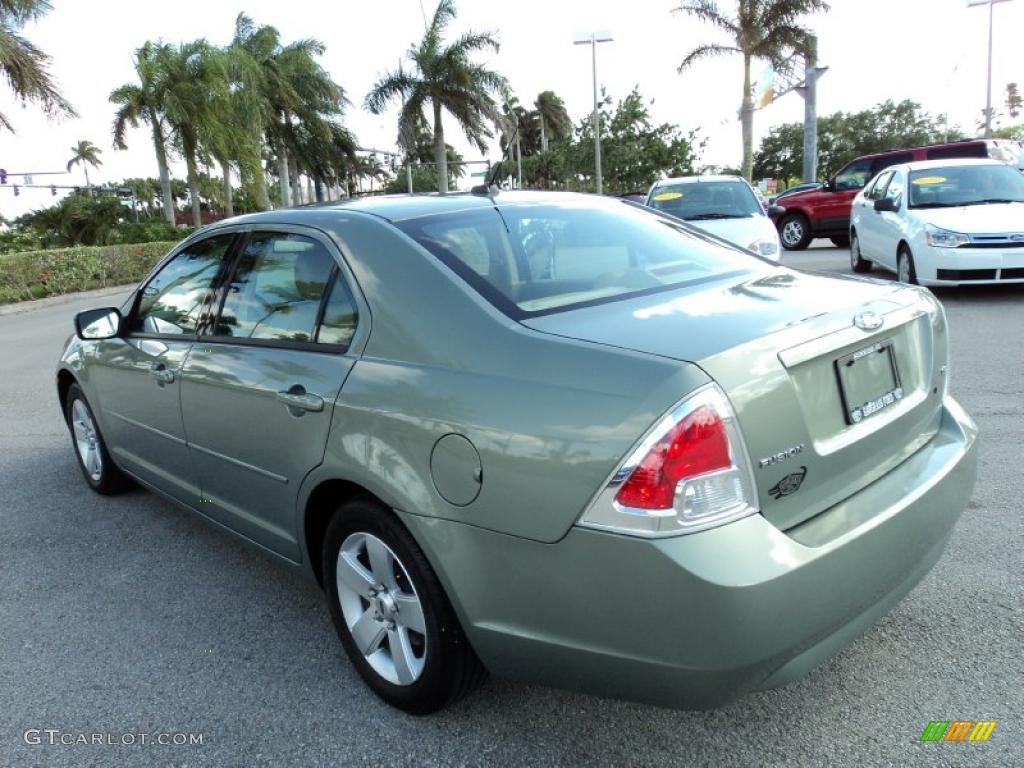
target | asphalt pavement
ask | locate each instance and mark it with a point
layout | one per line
(128, 615)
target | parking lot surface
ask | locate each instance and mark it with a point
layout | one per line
(129, 615)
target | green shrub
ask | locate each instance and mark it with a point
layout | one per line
(34, 274)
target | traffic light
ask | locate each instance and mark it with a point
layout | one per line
(53, 190)
(3, 175)
(16, 192)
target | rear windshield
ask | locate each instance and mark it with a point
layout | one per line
(533, 259)
(959, 185)
(702, 200)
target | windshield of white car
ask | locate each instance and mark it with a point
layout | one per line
(962, 185)
(702, 200)
(530, 259)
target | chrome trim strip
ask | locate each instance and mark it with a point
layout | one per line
(140, 425)
(258, 470)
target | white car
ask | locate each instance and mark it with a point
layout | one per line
(942, 222)
(725, 206)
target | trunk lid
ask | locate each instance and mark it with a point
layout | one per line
(776, 342)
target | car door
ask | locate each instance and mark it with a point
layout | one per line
(833, 213)
(137, 376)
(889, 224)
(868, 221)
(259, 387)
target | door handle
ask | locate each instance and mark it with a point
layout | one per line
(161, 373)
(299, 398)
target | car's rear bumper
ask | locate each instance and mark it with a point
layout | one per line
(697, 620)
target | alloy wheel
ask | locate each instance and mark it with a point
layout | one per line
(87, 440)
(792, 232)
(381, 608)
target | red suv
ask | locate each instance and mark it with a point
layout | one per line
(825, 212)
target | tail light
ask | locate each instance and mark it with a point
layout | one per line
(690, 473)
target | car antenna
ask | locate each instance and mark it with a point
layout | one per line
(488, 187)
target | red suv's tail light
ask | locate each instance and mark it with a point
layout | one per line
(689, 473)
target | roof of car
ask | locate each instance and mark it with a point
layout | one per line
(706, 177)
(922, 165)
(400, 207)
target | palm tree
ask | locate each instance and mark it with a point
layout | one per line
(443, 76)
(86, 153)
(195, 98)
(553, 118)
(144, 101)
(297, 102)
(23, 65)
(765, 29)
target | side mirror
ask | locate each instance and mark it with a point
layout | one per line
(829, 185)
(885, 204)
(95, 324)
(776, 210)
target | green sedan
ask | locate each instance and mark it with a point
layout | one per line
(558, 438)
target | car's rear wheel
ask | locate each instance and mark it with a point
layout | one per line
(840, 241)
(905, 269)
(90, 449)
(391, 613)
(794, 232)
(857, 262)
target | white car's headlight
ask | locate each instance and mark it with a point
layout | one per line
(944, 238)
(764, 247)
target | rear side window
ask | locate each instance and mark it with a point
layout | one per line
(276, 289)
(961, 150)
(887, 161)
(172, 301)
(541, 258)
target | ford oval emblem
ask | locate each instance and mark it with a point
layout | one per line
(868, 321)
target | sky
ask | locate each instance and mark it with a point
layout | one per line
(933, 51)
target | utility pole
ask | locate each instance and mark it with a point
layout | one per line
(810, 94)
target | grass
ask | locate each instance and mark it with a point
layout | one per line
(35, 274)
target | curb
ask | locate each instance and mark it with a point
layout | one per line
(18, 307)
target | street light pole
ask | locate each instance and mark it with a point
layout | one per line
(988, 87)
(593, 39)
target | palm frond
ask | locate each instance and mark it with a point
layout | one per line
(706, 51)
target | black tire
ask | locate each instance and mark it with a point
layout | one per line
(840, 241)
(857, 262)
(906, 272)
(109, 480)
(450, 668)
(795, 232)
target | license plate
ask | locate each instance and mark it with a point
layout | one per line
(868, 381)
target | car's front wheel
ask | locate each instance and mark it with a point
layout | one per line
(905, 269)
(90, 449)
(857, 262)
(391, 613)
(795, 232)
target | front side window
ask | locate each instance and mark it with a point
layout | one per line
(543, 257)
(855, 175)
(702, 200)
(958, 185)
(275, 290)
(172, 301)
(895, 189)
(877, 189)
